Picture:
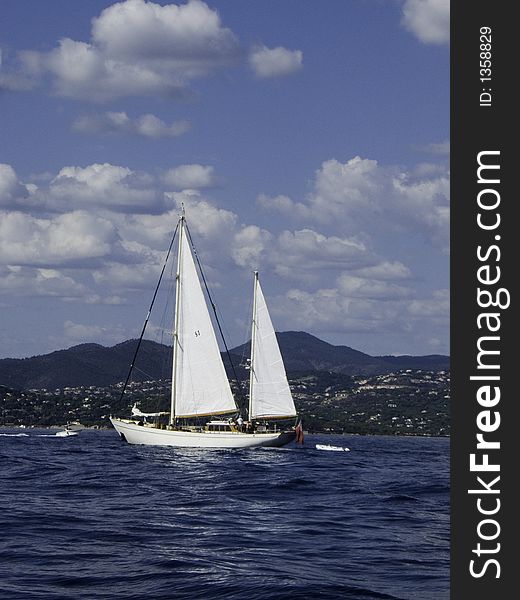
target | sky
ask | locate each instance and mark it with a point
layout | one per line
(306, 139)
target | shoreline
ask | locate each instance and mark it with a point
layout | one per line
(321, 433)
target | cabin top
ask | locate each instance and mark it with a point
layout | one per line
(220, 426)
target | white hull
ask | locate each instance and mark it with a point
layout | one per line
(150, 436)
(66, 433)
(332, 448)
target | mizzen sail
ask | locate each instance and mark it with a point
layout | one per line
(270, 395)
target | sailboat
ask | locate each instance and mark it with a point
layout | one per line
(200, 387)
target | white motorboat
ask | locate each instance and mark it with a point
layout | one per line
(331, 448)
(66, 433)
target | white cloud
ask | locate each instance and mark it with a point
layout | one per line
(359, 287)
(367, 198)
(20, 281)
(305, 253)
(145, 233)
(249, 245)
(104, 185)
(424, 205)
(440, 148)
(125, 278)
(369, 312)
(13, 193)
(137, 48)
(204, 218)
(275, 62)
(75, 238)
(284, 205)
(148, 126)
(347, 278)
(428, 20)
(353, 186)
(80, 333)
(385, 271)
(437, 306)
(190, 176)
(330, 309)
(26, 281)
(189, 36)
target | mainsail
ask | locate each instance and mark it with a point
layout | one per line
(199, 382)
(270, 395)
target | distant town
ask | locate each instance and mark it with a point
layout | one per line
(405, 402)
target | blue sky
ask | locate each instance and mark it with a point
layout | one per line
(307, 139)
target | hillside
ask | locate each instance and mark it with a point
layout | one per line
(93, 364)
(303, 352)
(86, 364)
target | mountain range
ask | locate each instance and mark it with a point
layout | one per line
(97, 365)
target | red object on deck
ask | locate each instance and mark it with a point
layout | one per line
(299, 433)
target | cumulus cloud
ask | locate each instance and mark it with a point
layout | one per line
(366, 197)
(189, 35)
(327, 274)
(126, 278)
(29, 281)
(248, 246)
(284, 205)
(25, 281)
(13, 193)
(305, 253)
(367, 312)
(206, 219)
(428, 20)
(75, 238)
(104, 185)
(76, 333)
(101, 186)
(275, 62)
(424, 205)
(147, 126)
(137, 48)
(190, 176)
(360, 287)
(330, 309)
(385, 270)
(437, 306)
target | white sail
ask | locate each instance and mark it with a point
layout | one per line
(199, 383)
(270, 395)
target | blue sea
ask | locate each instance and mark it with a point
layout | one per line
(90, 517)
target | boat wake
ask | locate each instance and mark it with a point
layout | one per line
(14, 434)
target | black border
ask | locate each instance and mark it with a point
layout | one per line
(476, 128)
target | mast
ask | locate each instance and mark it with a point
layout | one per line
(253, 343)
(176, 320)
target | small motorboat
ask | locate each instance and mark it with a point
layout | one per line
(66, 432)
(331, 448)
